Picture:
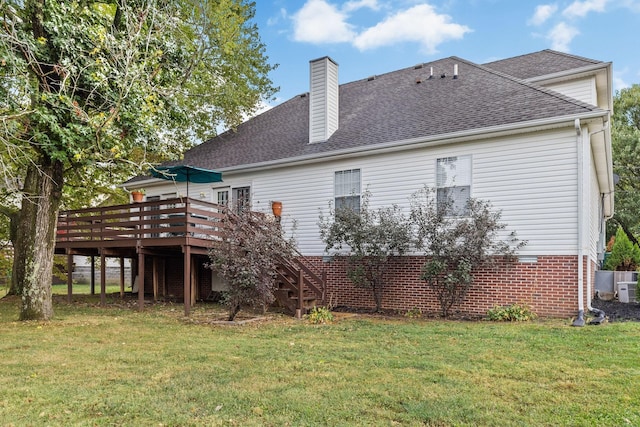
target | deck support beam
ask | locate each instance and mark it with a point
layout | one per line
(140, 279)
(155, 279)
(103, 278)
(93, 275)
(187, 279)
(69, 275)
(121, 277)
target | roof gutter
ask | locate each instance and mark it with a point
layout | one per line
(462, 136)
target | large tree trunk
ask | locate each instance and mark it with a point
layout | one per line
(35, 240)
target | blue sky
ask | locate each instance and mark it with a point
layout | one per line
(368, 37)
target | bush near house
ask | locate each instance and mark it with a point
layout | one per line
(368, 238)
(511, 313)
(248, 257)
(625, 255)
(458, 243)
(455, 243)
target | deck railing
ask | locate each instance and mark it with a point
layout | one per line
(179, 217)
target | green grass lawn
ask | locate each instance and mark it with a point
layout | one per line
(115, 366)
(84, 289)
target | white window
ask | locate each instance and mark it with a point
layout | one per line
(347, 189)
(453, 182)
(223, 197)
(242, 199)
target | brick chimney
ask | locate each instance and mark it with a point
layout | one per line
(323, 99)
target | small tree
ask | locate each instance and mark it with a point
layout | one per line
(369, 239)
(247, 259)
(457, 245)
(625, 255)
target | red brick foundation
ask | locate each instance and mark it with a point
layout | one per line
(549, 287)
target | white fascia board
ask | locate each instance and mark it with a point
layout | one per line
(432, 141)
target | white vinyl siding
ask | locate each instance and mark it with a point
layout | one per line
(530, 177)
(580, 89)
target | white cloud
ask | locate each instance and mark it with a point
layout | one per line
(634, 5)
(543, 13)
(276, 19)
(359, 4)
(419, 24)
(321, 22)
(561, 35)
(579, 9)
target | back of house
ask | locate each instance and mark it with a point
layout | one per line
(530, 134)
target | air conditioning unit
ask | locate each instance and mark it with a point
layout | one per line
(627, 291)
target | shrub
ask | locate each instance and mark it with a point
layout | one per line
(625, 256)
(319, 315)
(458, 245)
(248, 257)
(369, 239)
(511, 313)
(414, 313)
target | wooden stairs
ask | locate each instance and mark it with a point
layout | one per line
(298, 287)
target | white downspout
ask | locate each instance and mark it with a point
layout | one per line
(580, 319)
(586, 207)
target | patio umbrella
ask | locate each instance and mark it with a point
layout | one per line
(186, 173)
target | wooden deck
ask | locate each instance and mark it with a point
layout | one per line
(158, 228)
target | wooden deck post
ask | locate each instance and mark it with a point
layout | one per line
(103, 279)
(92, 280)
(155, 279)
(194, 282)
(187, 279)
(140, 279)
(69, 275)
(121, 277)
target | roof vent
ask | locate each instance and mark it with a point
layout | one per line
(418, 66)
(418, 80)
(370, 78)
(443, 75)
(431, 73)
(455, 71)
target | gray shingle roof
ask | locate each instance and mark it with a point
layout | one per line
(393, 107)
(539, 64)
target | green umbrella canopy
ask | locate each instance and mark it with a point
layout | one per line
(186, 173)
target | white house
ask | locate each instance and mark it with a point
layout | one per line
(530, 134)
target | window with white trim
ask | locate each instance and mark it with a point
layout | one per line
(242, 199)
(347, 189)
(453, 183)
(222, 197)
